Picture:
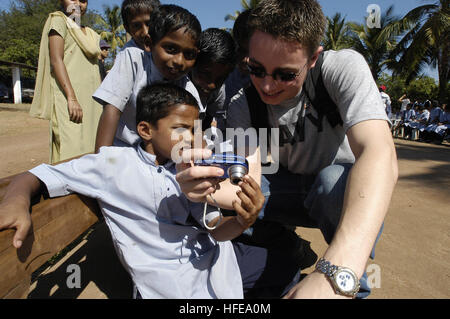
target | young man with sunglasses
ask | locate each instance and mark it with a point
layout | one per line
(337, 176)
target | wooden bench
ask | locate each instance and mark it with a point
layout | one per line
(57, 223)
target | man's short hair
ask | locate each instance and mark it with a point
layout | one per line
(155, 101)
(132, 8)
(240, 28)
(302, 21)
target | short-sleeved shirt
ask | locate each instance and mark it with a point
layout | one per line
(435, 114)
(156, 231)
(386, 100)
(405, 103)
(350, 84)
(132, 70)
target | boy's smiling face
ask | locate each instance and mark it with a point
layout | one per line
(175, 54)
(159, 138)
(138, 29)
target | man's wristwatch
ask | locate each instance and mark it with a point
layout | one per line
(344, 280)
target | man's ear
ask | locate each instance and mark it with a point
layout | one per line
(315, 57)
(145, 130)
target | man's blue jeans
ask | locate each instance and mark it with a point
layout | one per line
(307, 201)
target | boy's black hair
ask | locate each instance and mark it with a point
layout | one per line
(131, 8)
(169, 18)
(155, 101)
(240, 29)
(216, 46)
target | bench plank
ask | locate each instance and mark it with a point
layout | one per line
(56, 223)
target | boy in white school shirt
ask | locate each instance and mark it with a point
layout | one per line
(174, 33)
(157, 233)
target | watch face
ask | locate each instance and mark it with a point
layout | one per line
(345, 280)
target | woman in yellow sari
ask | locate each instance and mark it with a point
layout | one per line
(68, 75)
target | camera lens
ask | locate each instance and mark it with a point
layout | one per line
(236, 173)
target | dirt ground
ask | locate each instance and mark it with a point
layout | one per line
(412, 257)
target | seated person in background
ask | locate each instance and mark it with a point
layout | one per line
(435, 115)
(215, 61)
(420, 122)
(158, 234)
(439, 131)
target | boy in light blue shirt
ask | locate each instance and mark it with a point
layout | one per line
(174, 34)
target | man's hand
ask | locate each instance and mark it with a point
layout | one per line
(314, 286)
(15, 215)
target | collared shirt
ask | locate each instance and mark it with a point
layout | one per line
(435, 114)
(132, 70)
(156, 231)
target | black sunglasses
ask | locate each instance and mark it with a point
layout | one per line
(278, 75)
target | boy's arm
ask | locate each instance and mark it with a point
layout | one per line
(401, 98)
(14, 209)
(107, 126)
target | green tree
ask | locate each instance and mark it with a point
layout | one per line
(22, 26)
(246, 5)
(365, 40)
(337, 34)
(420, 89)
(425, 41)
(111, 28)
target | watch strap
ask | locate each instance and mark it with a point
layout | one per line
(325, 267)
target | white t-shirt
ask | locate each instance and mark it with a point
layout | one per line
(350, 85)
(405, 102)
(387, 101)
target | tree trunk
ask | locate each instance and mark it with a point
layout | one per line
(443, 70)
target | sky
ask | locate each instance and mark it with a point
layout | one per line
(211, 13)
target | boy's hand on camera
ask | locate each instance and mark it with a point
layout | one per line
(197, 182)
(75, 111)
(252, 201)
(15, 215)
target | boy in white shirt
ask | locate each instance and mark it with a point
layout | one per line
(174, 34)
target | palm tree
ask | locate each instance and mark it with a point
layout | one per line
(112, 28)
(337, 35)
(365, 40)
(246, 5)
(425, 41)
